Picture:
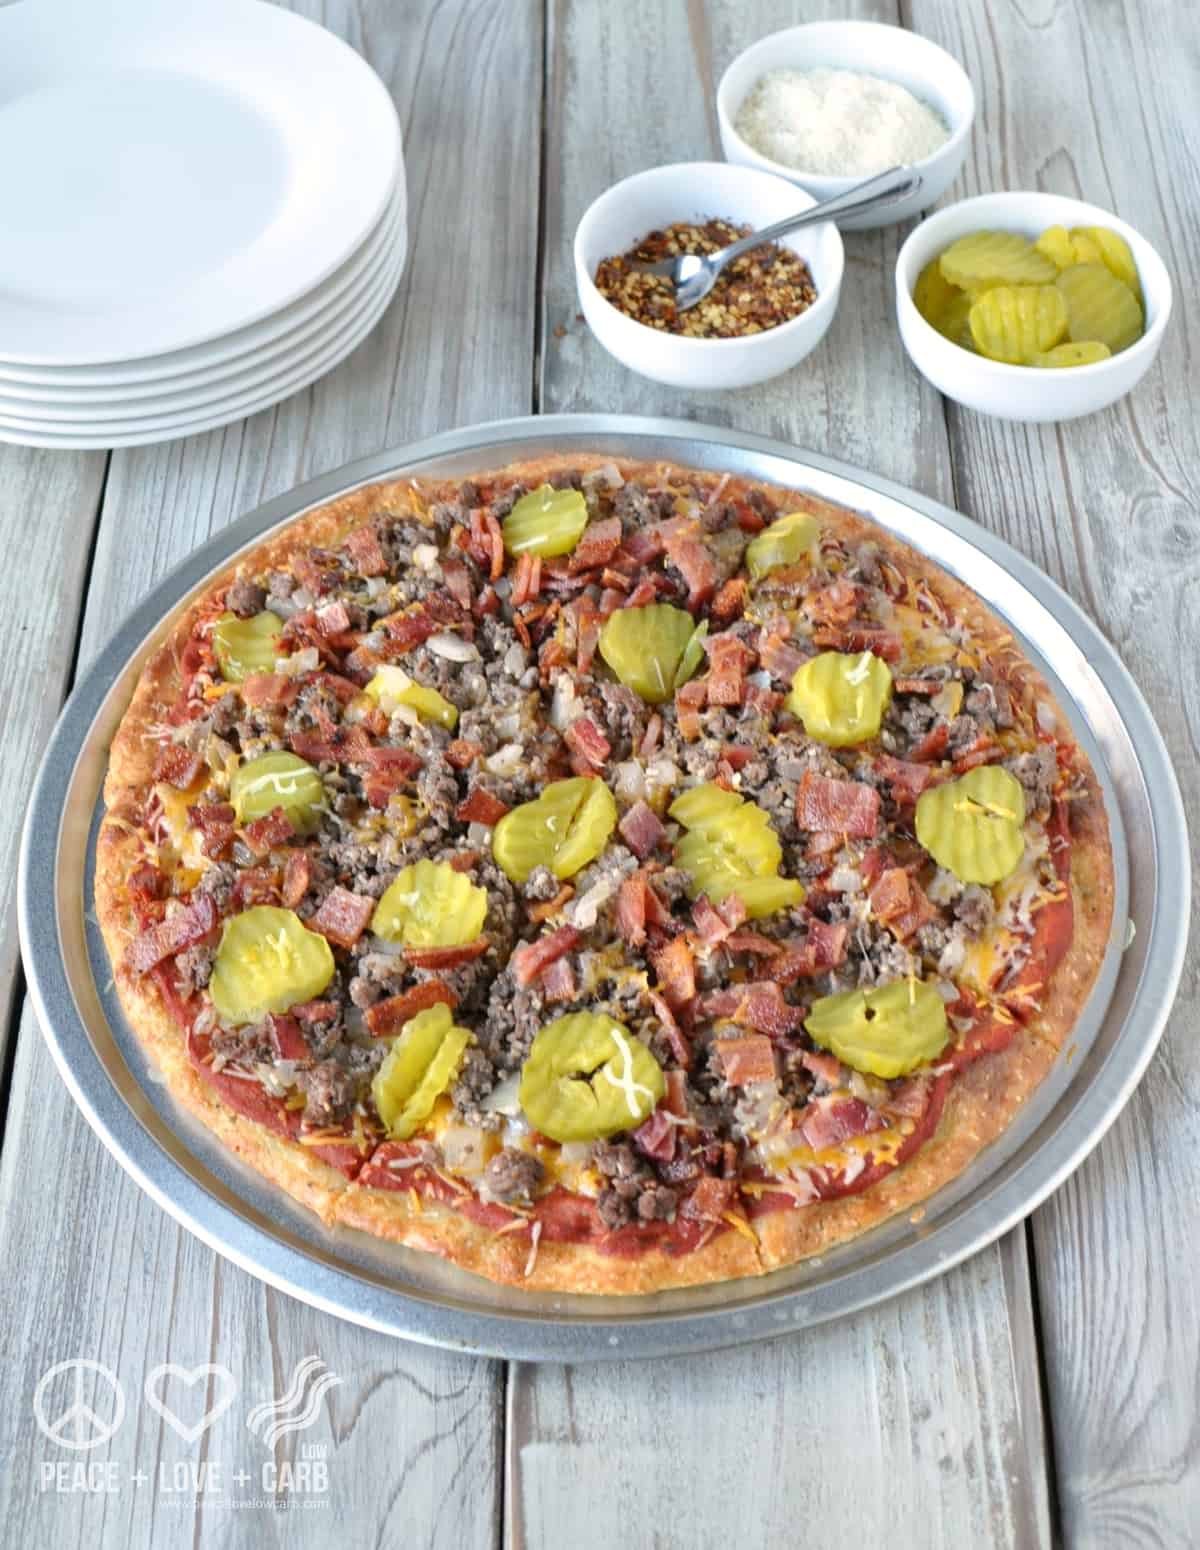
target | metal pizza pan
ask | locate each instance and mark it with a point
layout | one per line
(418, 1297)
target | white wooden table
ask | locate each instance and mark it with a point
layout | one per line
(1043, 1393)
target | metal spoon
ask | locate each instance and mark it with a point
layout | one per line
(694, 275)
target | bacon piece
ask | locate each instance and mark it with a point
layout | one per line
(348, 745)
(823, 948)
(598, 545)
(408, 629)
(836, 603)
(464, 861)
(727, 674)
(343, 917)
(932, 746)
(828, 1122)
(527, 579)
(900, 903)
(655, 1137)
(558, 981)
(759, 1004)
(589, 746)
(462, 753)
(316, 1011)
(643, 546)
(984, 750)
(753, 942)
(480, 806)
(909, 1099)
(780, 658)
(860, 637)
(332, 619)
(547, 907)
(907, 780)
(297, 877)
(672, 1033)
(710, 1199)
(316, 570)
(694, 561)
(730, 602)
(487, 541)
(177, 765)
(631, 909)
(365, 551)
(712, 927)
(458, 582)
(216, 822)
(387, 771)
(689, 698)
(255, 885)
(675, 967)
(837, 806)
(184, 928)
(765, 701)
(145, 885)
(388, 1017)
(644, 593)
(531, 958)
(262, 834)
(446, 957)
(928, 686)
(641, 829)
(651, 736)
(287, 1039)
(745, 1060)
(262, 689)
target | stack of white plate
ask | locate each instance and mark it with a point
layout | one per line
(203, 210)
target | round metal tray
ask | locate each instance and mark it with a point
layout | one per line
(417, 1296)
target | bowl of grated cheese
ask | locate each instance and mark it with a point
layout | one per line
(829, 103)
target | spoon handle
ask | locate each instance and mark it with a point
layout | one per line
(883, 189)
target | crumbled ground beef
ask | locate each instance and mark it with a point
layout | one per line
(512, 1176)
(634, 1192)
(193, 968)
(541, 885)
(218, 880)
(245, 598)
(1037, 772)
(329, 1092)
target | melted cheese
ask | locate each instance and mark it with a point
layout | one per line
(184, 842)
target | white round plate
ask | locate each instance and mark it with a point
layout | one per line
(200, 362)
(96, 407)
(221, 411)
(169, 173)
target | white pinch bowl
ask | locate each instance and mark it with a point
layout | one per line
(1029, 393)
(871, 48)
(700, 191)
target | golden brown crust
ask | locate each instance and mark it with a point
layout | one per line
(981, 1103)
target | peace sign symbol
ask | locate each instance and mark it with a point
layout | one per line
(79, 1427)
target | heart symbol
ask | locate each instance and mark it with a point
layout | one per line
(224, 1389)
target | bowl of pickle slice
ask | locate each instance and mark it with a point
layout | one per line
(1031, 306)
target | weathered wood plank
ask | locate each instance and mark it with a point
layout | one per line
(1110, 506)
(413, 1435)
(940, 1386)
(48, 507)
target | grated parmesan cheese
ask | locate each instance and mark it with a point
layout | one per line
(838, 123)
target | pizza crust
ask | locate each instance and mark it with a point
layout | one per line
(981, 1103)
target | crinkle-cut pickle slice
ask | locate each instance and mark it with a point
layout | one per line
(730, 847)
(885, 1032)
(267, 961)
(645, 648)
(1015, 323)
(423, 1061)
(547, 521)
(563, 829)
(974, 826)
(1114, 253)
(1100, 307)
(841, 696)
(995, 258)
(788, 539)
(944, 306)
(390, 687)
(1084, 352)
(1055, 242)
(693, 654)
(245, 646)
(274, 780)
(586, 1077)
(431, 905)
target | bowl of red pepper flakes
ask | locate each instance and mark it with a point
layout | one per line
(767, 312)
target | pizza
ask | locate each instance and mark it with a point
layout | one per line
(606, 875)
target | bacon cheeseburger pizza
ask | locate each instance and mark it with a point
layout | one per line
(608, 876)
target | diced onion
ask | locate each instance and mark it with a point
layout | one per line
(565, 706)
(425, 556)
(575, 1152)
(463, 1148)
(516, 660)
(630, 781)
(506, 760)
(505, 1097)
(452, 647)
(1046, 719)
(845, 879)
(583, 912)
(301, 662)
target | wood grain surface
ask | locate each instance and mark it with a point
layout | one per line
(1043, 1393)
